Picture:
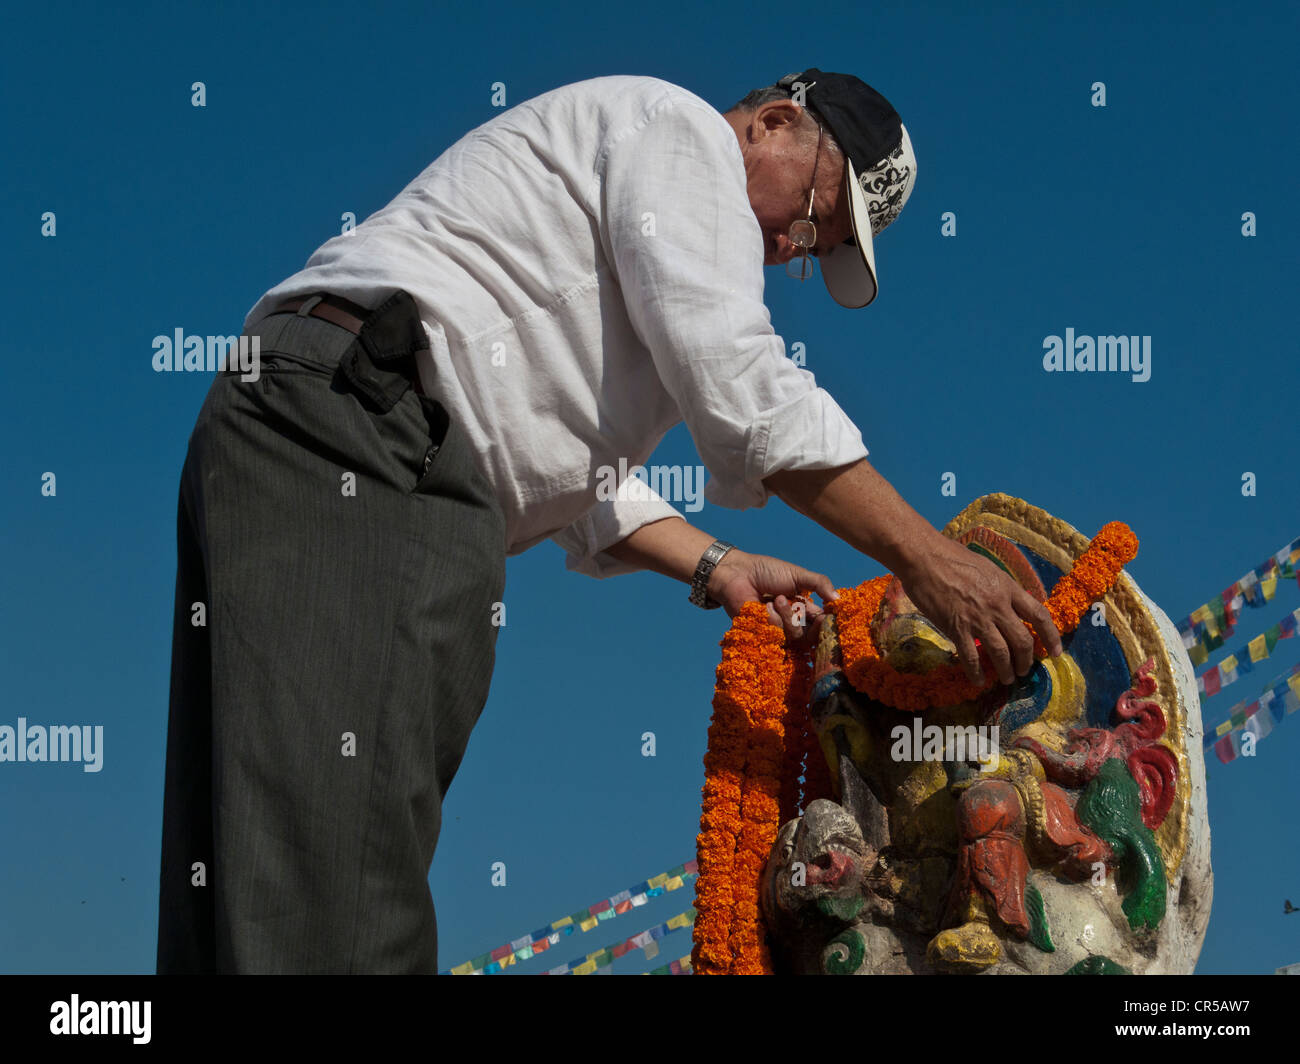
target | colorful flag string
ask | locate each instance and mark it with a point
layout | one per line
(1279, 698)
(1206, 627)
(602, 960)
(681, 966)
(521, 949)
(1241, 662)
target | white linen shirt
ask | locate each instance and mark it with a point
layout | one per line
(590, 273)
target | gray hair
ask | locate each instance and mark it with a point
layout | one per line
(757, 97)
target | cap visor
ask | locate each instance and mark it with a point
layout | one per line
(850, 272)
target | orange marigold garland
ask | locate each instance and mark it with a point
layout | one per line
(873, 676)
(1091, 577)
(761, 810)
(741, 796)
(760, 734)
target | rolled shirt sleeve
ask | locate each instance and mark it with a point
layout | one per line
(610, 521)
(688, 253)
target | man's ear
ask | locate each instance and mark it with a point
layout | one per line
(775, 117)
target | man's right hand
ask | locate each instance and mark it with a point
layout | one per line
(967, 597)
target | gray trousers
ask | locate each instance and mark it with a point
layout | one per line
(338, 557)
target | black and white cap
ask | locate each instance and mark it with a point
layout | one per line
(882, 172)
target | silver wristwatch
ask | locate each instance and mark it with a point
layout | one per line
(700, 581)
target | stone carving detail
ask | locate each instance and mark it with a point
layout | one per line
(1057, 825)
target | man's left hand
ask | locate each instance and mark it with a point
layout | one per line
(742, 577)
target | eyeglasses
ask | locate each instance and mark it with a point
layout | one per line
(803, 234)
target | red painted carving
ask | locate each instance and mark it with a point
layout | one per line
(1135, 740)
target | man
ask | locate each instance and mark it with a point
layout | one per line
(444, 386)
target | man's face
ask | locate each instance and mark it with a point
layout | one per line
(779, 159)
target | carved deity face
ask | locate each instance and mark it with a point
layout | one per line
(908, 640)
(817, 870)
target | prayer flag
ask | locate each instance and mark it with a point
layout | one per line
(1259, 725)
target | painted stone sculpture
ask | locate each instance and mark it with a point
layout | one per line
(1057, 825)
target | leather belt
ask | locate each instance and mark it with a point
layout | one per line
(334, 309)
(337, 311)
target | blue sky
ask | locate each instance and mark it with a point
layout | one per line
(1117, 219)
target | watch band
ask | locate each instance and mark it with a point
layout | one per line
(700, 581)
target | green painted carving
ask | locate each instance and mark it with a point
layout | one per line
(845, 954)
(1097, 965)
(1111, 806)
(1039, 934)
(985, 552)
(841, 908)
